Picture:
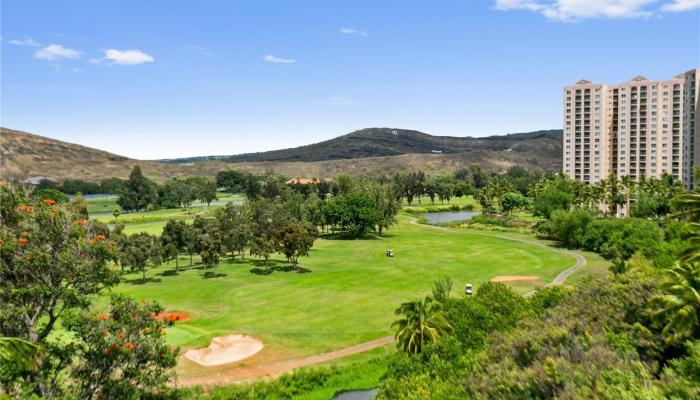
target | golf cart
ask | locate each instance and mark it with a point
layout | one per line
(468, 289)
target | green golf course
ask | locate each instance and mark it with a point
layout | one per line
(347, 293)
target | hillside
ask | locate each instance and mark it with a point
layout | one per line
(25, 155)
(382, 142)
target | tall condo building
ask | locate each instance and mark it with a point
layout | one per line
(637, 128)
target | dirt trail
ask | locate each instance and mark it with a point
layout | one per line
(275, 369)
(271, 370)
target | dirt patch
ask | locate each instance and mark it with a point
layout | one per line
(225, 350)
(173, 316)
(514, 278)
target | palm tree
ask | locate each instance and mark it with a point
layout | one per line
(628, 185)
(17, 355)
(603, 188)
(678, 308)
(689, 206)
(423, 322)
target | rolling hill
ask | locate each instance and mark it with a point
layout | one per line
(368, 152)
(383, 142)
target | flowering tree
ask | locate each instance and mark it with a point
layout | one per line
(51, 260)
(122, 354)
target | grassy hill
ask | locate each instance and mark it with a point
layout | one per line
(369, 152)
(384, 142)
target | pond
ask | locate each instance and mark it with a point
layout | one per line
(448, 216)
(357, 395)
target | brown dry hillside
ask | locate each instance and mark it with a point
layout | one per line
(24, 155)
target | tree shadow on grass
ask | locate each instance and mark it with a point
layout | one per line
(140, 281)
(174, 272)
(278, 266)
(346, 236)
(213, 274)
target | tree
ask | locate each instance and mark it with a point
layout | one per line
(265, 217)
(51, 262)
(111, 185)
(511, 201)
(232, 181)
(116, 213)
(138, 192)
(140, 251)
(204, 188)
(210, 247)
(235, 225)
(177, 193)
(442, 286)
(174, 240)
(296, 240)
(677, 308)
(496, 188)
(121, 354)
(356, 213)
(423, 322)
(386, 204)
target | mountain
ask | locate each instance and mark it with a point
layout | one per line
(382, 142)
(368, 152)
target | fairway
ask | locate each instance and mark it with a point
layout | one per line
(348, 296)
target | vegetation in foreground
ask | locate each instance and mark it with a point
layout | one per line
(642, 328)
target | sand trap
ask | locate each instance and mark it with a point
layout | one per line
(514, 278)
(225, 350)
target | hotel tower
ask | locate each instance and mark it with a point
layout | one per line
(637, 128)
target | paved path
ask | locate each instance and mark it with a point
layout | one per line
(272, 370)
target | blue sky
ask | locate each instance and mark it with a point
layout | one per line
(153, 79)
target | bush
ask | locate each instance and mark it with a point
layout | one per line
(568, 228)
(623, 237)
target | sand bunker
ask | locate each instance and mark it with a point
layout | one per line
(514, 278)
(225, 350)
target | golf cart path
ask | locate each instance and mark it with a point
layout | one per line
(267, 371)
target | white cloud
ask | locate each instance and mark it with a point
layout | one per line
(55, 52)
(681, 5)
(568, 10)
(25, 42)
(124, 57)
(279, 60)
(353, 32)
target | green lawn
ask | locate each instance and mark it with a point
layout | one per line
(347, 297)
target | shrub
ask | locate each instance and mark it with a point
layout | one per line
(568, 227)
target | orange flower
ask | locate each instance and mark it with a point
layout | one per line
(100, 237)
(23, 240)
(93, 241)
(80, 222)
(24, 208)
(49, 202)
(129, 345)
(173, 317)
(145, 330)
(110, 350)
(121, 335)
(102, 317)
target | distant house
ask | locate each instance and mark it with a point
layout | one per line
(306, 181)
(36, 180)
